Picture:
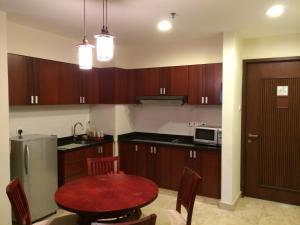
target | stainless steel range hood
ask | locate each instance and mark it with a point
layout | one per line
(162, 99)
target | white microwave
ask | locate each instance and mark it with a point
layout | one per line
(208, 135)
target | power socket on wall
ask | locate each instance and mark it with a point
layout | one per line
(196, 124)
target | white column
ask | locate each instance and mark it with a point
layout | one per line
(5, 213)
(231, 119)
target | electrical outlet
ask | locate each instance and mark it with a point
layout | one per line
(19, 128)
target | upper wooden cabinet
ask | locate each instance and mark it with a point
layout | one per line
(90, 86)
(205, 84)
(162, 81)
(20, 79)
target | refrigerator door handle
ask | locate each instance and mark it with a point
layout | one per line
(26, 158)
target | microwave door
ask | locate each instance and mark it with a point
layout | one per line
(206, 136)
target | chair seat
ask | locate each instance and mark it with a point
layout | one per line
(175, 217)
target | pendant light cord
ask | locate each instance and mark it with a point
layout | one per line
(84, 28)
(103, 22)
(106, 30)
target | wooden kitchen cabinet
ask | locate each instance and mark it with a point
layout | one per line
(72, 164)
(20, 71)
(205, 84)
(132, 85)
(148, 81)
(164, 165)
(90, 86)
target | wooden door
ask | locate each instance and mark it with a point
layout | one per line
(20, 81)
(213, 84)
(47, 82)
(148, 81)
(107, 85)
(272, 129)
(175, 80)
(70, 84)
(142, 161)
(127, 152)
(196, 85)
(162, 166)
(120, 88)
(177, 164)
(131, 86)
(107, 150)
(90, 86)
(210, 173)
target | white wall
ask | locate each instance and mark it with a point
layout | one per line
(268, 47)
(102, 117)
(5, 214)
(208, 50)
(57, 120)
(29, 41)
(231, 118)
(173, 119)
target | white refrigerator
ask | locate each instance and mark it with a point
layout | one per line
(34, 160)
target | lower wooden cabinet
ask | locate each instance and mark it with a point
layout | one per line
(164, 165)
(72, 164)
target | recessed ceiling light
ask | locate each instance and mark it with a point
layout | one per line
(164, 25)
(275, 11)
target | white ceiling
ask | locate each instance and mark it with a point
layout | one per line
(134, 21)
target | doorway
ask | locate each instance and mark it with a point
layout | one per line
(271, 129)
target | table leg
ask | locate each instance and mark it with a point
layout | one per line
(85, 220)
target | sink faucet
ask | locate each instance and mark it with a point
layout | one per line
(74, 130)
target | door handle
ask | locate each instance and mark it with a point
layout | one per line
(253, 136)
(26, 158)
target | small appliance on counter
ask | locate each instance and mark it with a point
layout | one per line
(33, 159)
(208, 135)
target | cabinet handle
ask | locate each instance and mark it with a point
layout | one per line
(164, 91)
(32, 99)
(151, 150)
(80, 99)
(206, 100)
(83, 99)
(36, 99)
(202, 100)
(160, 91)
(136, 148)
(195, 156)
(191, 154)
(155, 150)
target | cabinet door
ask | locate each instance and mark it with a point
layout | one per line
(90, 86)
(196, 85)
(213, 82)
(20, 79)
(148, 81)
(163, 166)
(47, 80)
(127, 152)
(175, 80)
(142, 161)
(211, 173)
(70, 84)
(120, 86)
(131, 86)
(107, 85)
(107, 150)
(177, 162)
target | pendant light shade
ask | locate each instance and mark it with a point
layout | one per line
(105, 41)
(105, 47)
(85, 50)
(85, 55)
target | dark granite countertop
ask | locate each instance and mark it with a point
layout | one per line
(165, 139)
(68, 144)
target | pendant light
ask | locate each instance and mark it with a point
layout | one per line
(85, 50)
(105, 42)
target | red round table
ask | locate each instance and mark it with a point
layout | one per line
(108, 196)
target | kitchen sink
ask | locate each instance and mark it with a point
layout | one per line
(75, 144)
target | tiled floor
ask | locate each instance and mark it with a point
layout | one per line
(249, 211)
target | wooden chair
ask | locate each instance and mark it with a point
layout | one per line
(189, 184)
(20, 207)
(103, 166)
(149, 220)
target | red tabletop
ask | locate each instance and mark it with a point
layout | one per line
(106, 195)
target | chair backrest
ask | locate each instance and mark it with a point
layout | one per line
(187, 192)
(18, 201)
(102, 166)
(148, 220)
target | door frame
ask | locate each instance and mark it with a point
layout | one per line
(244, 108)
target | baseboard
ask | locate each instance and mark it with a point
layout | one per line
(230, 206)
